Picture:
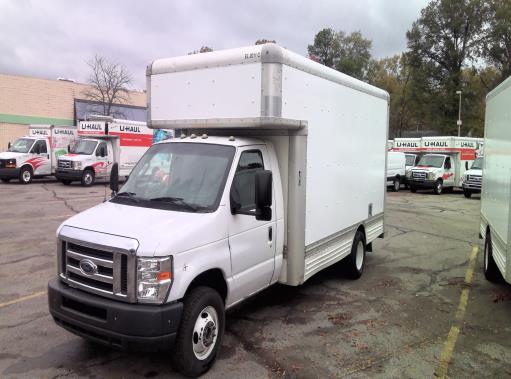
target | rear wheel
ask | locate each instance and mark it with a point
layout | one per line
(467, 194)
(439, 187)
(397, 184)
(200, 333)
(491, 271)
(5, 180)
(354, 263)
(88, 178)
(26, 175)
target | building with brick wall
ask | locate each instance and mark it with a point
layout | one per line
(27, 100)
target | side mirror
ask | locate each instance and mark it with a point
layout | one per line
(9, 145)
(103, 153)
(114, 179)
(68, 148)
(466, 165)
(263, 195)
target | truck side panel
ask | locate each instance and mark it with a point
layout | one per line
(346, 151)
(496, 190)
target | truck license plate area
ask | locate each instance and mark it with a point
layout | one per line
(85, 309)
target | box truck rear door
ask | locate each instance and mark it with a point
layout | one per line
(251, 241)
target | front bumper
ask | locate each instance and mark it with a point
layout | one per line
(471, 188)
(68, 174)
(113, 323)
(421, 183)
(9, 173)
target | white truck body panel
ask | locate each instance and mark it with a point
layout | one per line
(396, 165)
(496, 191)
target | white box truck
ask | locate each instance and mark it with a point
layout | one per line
(260, 188)
(102, 142)
(396, 169)
(473, 178)
(411, 147)
(36, 155)
(496, 192)
(443, 164)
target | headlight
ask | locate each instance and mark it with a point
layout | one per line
(11, 163)
(431, 176)
(408, 173)
(154, 277)
(77, 165)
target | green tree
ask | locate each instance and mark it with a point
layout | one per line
(444, 39)
(325, 49)
(354, 54)
(496, 45)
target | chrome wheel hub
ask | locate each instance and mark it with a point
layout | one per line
(359, 259)
(205, 334)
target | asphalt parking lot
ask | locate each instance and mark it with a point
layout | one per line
(399, 320)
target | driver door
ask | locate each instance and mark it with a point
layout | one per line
(101, 165)
(40, 158)
(449, 173)
(251, 241)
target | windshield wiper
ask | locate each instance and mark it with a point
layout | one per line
(129, 195)
(175, 200)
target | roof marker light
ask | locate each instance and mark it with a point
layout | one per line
(204, 136)
(231, 138)
(193, 136)
(183, 135)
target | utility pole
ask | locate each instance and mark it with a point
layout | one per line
(459, 115)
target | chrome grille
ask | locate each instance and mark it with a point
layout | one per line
(65, 164)
(419, 175)
(474, 180)
(112, 273)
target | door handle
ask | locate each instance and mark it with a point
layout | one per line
(270, 234)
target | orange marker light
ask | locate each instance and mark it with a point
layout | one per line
(164, 276)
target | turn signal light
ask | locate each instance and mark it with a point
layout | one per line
(165, 275)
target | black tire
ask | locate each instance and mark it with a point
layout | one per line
(66, 182)
(184, 357)
(396, 184)
(353, 269)
(439, 187)
(413, 189)
(467, 194)
(88, 177)
(26, 175)
(491, 271)
(5, 180)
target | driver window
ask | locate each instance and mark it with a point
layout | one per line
(448, 163)
(101, 150)
(250, 163)
(39, 148)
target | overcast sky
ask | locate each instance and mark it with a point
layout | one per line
(55, 38)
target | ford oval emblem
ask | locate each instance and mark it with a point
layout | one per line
(88, 267)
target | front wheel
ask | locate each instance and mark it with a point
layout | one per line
(26, 175)
(88, 178)
(467, 194)
(439, 187)
(200, 334)
(491, 271)
(396, 185)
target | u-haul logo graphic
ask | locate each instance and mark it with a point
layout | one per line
(39, 132)
(468, 144)
(435, 143)
(67, 132)
(129, 128)
(407, 144)
(91, 126)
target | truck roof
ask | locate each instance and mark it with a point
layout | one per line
(216, 140)
(266, 53)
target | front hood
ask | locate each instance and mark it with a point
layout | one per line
(11, 155)
(475, 172)
(74, 157)
(425, 168)
(158, 232)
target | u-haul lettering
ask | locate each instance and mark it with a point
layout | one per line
(467, 144)
(91, 127)
(39, 132)
(435, 144)
(67, 132)
(407, 144)
(129, 128)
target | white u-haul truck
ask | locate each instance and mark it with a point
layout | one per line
(496, 192)
(443, 164)
(102, 142)
(261, 189)
(36, 155)
(411, 147)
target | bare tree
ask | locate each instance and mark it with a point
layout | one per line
(264, 40)
(203, 49)
(109, 84)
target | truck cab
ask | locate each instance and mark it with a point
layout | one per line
(35, 155)
(473, 178)
(412, 160)
(434, 171)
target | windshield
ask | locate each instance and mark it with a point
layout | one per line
(83, 146)
(22, 145)
(186, 177)
(477, 164)
(410, 160)
(432, 161)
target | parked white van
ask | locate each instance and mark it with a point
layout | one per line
(256, 191)
(396, 169)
